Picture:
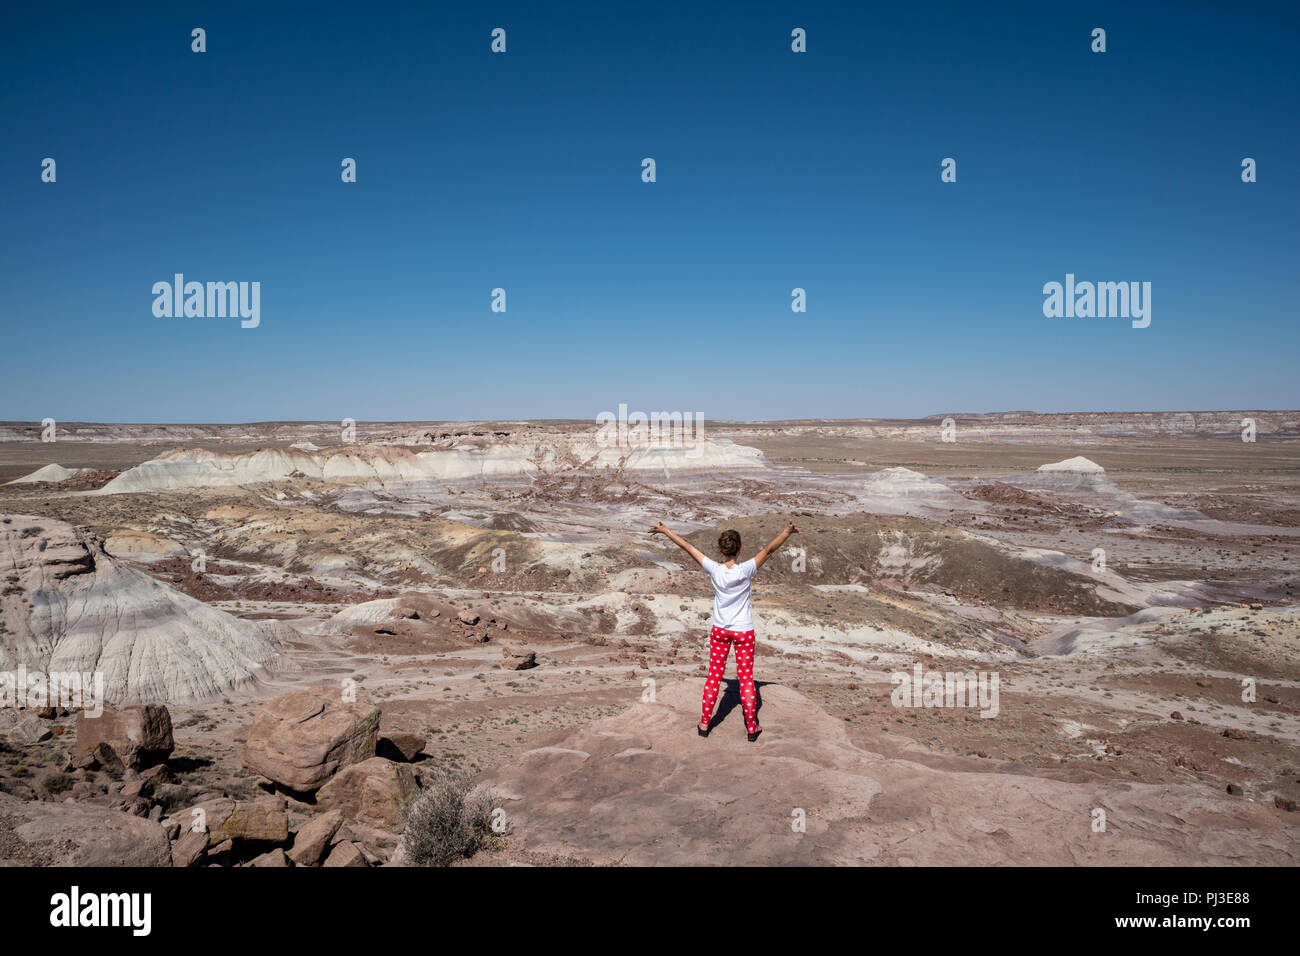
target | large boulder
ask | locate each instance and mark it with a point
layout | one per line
(302, 739)
(375, 792)
(140, 735)
(515, 658)
(37, 833)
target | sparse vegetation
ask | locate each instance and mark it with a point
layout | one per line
(448, 822)
(57, 782)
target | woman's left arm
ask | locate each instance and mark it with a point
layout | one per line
(761, 558)
(681, 542)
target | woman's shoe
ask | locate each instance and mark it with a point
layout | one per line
(754, 736)
(702, 733)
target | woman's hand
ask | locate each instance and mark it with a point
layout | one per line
(660, 528)
(791, 529)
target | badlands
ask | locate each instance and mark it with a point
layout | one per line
(299, 636)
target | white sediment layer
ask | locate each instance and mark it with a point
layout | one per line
(902, 482)
(50, 473)
(1075, 465)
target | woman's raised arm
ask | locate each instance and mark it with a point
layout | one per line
(681, 542)
(761, 558)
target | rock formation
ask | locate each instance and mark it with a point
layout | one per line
(70, 607)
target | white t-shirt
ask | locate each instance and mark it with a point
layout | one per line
(731, 594)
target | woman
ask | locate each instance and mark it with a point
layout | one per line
(733, 623)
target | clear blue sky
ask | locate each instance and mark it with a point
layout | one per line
(523, 171)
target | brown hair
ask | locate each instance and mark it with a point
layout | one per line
(729, 543)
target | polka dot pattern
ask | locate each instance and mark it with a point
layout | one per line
(720, 643)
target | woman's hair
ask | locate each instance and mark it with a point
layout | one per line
(729, 543)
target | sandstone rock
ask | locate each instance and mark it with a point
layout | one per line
(71, 834)
(275, 858)
(159, 773)
(345, 854)
(467, 617)
(300, 740)
(107, 757)
(252, 821)
(517, 658)
(256, 821)
(81, 760)
(141, 735)
(190, 848)
(83, 790)
(400, 746)
(375, 792)
(313, 838)
(30, 730)
(616, 786)
(137, 788)
(136, 806)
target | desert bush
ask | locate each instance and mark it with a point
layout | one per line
(241, 789)
(56, 782)
(446, 822)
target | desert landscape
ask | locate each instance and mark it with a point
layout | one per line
(307, 632)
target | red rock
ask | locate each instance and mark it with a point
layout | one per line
(141, 735)
(302, 739)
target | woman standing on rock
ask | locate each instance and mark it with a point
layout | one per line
(733, 622)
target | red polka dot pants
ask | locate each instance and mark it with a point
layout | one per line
(720, 642)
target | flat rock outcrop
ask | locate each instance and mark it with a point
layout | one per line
(39, 833)
(642, 788)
